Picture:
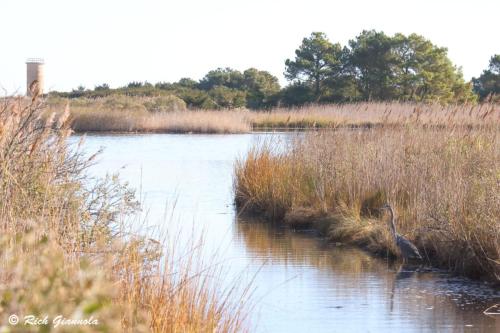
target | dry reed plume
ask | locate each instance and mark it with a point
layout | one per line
(444, 183)
(66, 250)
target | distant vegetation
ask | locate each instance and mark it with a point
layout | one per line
(372, 67)
(139, 114)
(222, 88)
(120, 113)
(405, 72)
(443, 181)
(488, 84)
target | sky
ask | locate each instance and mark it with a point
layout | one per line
(115, 42)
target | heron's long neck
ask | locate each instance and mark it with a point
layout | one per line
(393, 225)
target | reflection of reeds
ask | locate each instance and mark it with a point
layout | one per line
(444, 183)
(349, 274)
(303, 250)
(65, 249)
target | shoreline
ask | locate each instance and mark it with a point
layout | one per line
(316, 229)
(313, 230)
(269, 130)
(97, 116)
(438, 181)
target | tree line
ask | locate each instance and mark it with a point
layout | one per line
(372, 67)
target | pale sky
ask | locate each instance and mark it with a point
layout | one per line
(106, 41)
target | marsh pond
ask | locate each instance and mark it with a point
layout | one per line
(301, 283)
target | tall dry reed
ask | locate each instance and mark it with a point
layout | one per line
(130, 114)
(66, 250)
(369, 114)
(211, 122)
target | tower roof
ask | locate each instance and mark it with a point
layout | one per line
(35, 61)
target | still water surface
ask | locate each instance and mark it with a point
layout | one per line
(303, 284)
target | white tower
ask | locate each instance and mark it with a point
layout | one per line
(34, 76)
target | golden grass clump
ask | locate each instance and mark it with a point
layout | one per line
(151, 115)
(66, 249)
(211, 122)
(443, 181)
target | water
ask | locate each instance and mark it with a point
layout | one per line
(303, 283)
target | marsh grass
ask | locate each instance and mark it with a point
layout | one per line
(66, 248)
(147, 114)
(443, 182)
(371, 114)
(134, 114)
(210, 122)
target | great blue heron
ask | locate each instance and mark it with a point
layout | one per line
(407, 249)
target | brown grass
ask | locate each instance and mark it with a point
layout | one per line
(66, 249)
(130, 114)
(443, 182)
(212, 122)
(369, 114)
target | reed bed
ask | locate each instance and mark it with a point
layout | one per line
(134, 114)
(370, 114)
(442, 181)
(66, 248)
(130, 114)
(209, 122)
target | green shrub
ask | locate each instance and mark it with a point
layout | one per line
(165, 104)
